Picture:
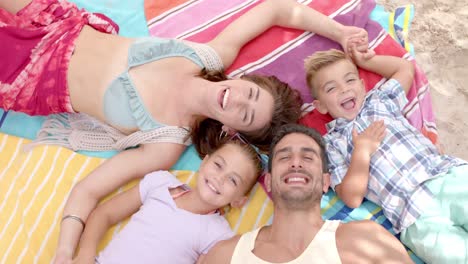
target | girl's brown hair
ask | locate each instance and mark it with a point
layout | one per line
(287, 109)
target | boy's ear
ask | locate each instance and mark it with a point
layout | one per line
(239, 202)
(326, 181)
(320, 106)
(363, 84)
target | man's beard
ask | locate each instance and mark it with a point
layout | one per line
(299, 199)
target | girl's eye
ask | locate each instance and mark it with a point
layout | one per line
(250, 93)
(245, 117)
(233, 181)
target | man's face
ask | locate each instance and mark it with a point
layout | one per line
(296, 178)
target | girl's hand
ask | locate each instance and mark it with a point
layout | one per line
(62, 258)
(84, 259)
(354, 35)
(369, 140)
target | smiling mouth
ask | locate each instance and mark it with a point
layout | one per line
(349, 103)
(211, 186)
(296, 180)
(223, 98)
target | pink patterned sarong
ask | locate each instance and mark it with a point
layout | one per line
(37, 44)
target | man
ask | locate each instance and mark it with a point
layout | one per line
(297, 179)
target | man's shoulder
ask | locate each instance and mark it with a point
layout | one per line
(222, 252)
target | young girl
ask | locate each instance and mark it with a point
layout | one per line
(172, 223)
(150, 92)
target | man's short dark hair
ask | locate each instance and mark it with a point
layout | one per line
(296, 128)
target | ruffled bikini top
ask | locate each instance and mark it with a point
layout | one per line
(123, 106)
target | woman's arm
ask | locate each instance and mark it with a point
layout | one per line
(113, 173)
(286, 13)
(103, 217)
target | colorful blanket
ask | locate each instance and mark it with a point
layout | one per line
(279, 49)
(34, 185)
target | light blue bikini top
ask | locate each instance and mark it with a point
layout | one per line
(123, 106)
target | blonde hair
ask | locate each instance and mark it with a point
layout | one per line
(318, 61)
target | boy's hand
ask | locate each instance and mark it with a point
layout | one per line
(359, 56)
(356, 36)
(369, 140)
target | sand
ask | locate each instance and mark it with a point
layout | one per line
(439, 33)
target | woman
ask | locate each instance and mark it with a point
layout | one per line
(129, 84)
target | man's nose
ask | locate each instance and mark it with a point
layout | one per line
(296, 162)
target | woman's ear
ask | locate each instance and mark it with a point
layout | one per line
(228, 130)
(239, 202)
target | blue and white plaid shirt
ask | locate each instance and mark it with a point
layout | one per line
(403, 162)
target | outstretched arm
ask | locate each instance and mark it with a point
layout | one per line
(113, 173)
(388, 66)
(221, 252)
(353, 188)
(286, 13)
(103, 217)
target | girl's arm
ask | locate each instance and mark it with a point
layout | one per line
(286, 13)
(103, 217)
(113, 173)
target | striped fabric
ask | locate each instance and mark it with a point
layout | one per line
(279, 49)
(34, 187)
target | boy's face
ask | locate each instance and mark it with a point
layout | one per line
(340, 92)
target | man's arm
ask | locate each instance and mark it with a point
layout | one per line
(221, 252)
(390, 67)
(353, 188)
(368, 242)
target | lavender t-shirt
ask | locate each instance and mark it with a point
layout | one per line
(162, 233)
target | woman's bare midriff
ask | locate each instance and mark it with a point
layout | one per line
(98, 58)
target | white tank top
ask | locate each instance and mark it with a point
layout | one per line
(321, 250)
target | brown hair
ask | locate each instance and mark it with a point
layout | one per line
(318, 61)
(287, 109)
(296, 128)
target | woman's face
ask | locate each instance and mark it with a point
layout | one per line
(225, 176)
(243, 105)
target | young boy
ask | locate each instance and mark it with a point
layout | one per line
(375, 153)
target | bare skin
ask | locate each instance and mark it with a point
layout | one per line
(98, 58)
(294, 228)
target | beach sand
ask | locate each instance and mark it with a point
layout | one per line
(439, 33)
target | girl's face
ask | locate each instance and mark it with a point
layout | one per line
(242, 105)
(225, 177)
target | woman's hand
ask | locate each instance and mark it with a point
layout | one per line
(356, 36)
(84, 259)
(62, 258)
(358, 56)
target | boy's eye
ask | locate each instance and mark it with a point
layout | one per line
(329, 89)
(245, 117)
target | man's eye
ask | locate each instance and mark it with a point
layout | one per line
(350, 80)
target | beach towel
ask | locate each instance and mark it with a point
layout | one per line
(34, 185)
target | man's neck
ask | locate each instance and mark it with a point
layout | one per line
(296, 229)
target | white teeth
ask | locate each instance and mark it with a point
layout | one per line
(225, 98)
(212, 188)
(296, 179)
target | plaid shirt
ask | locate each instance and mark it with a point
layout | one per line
(403, 162)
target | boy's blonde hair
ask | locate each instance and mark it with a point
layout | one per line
(319, 60)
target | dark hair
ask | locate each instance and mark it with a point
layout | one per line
(296, 128)
(287, 109)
